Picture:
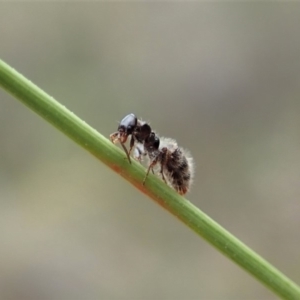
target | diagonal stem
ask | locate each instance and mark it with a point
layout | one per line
(87, 137)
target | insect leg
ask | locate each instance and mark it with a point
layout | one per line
(162, 174)
(126, 151)
(152, 164)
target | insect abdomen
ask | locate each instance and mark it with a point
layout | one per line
(178, 168)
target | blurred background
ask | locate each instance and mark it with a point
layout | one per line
(222, 79)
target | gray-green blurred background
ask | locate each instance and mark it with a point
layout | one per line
(223, 79)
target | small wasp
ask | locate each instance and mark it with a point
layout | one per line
(176, 164)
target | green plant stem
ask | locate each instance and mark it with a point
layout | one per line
(59, 116)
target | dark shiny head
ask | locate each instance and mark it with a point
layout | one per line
(126, 127)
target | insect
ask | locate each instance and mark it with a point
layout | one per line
(176, 164)
(131, 125)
